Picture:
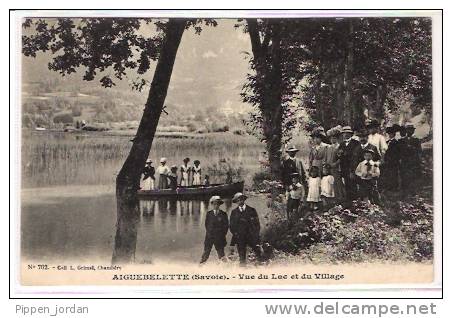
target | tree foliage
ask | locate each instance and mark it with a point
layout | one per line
(104, 47)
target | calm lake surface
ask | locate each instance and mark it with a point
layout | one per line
(78, 223)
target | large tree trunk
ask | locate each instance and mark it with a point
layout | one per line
(128, 179)
(270, 77)
(348, 78)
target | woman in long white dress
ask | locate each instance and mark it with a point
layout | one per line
(197, 172)
(162, 172)
(148, 176)
(185, 171)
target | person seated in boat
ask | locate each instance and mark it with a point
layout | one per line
(185, 171)
(206, 182)
(162, 173)
(172, 178)
(196, 172)
(148, 176)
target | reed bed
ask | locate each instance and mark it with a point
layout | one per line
(51, 159)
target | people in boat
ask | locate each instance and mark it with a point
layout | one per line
(172, 178)
(162, 173)
(148, 182)
(217, 226)
(206, 182)
(245, 228)
(196, 172)
(185, 171)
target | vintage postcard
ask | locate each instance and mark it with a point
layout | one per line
(182, 148)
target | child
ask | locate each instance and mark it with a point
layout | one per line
(185, 170)
(163, 172)
(368, 172)
(327, 187)
(206, 181)
(314, 188)
(295, 194)
(197, 172)
(172, 177)
(148, 176)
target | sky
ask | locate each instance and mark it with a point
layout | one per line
(210, 68)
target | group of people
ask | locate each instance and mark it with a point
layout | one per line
(243, 224)
(165, 177)
(346, 164)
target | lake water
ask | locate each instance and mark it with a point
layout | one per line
(79, 223)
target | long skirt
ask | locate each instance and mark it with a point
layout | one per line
(184, 181)
(147, 184)
(196, 179)
(163, 182)
(339, 188)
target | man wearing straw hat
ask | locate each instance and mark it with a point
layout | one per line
(217, 226)
(245, 228)
(292, 165)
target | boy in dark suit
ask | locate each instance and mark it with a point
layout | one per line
(217, 226)
(245, 228)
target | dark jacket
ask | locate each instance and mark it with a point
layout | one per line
(392, 155)
(411, 153)
(346, 153)
(290, 166)
(217, 227)
(149, 172)
(245, 226)
(358, 155)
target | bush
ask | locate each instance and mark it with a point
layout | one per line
(361, 233)
(259, 178)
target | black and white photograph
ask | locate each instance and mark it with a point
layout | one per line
(261, 149)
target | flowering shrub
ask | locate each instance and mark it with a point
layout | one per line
(361, 233)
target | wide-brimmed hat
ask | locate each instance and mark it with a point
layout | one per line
(362, 133)
(162, 160)
(237, 196)
(186, 159)
(216, 198)
(294, 174)
(318, 132)
(409, 125)
(148, 161)
(347, 129)
(334, 132)
(372, 123)
(292, 148)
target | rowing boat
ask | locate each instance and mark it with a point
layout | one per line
(223, 190)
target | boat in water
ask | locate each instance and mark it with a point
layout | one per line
(189, 192)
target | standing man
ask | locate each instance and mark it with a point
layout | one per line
(411, 167)
(217, 226)
(292, 165)
(390, 167)
(345, 152)
(245, 228)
